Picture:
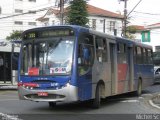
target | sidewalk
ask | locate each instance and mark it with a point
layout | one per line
(8, 87)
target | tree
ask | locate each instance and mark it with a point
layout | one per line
(14, 36)
(130, 31)
(77, 14)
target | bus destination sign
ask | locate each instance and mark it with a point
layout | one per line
(49, 33)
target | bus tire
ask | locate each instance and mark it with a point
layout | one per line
(139, 87)
(52, 104)
(97, 99)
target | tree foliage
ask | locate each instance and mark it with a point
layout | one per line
(130, 31)
(77, 14)
(15, 35)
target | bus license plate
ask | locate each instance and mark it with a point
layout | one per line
(42, 94)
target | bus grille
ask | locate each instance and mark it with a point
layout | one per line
(50, 96)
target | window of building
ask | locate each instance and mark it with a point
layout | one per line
(46, 23)
(53, 22)
(112, 25)
(101, 21)
(101, 49)
(146, 36)
(32, 23)
(94, 24)
(18, 11)
(18, 23)
(32, 11)
(121, 51)
(32, 0)
(0, 10)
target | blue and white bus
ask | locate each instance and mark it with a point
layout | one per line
(73, 63)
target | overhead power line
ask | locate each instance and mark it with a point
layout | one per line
(134, 8)
(30, 12)
(146, 13)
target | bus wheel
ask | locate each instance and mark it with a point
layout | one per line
(97, 99)
(52, 104)
(139, 87)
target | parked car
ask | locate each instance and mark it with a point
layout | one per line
(157, 74)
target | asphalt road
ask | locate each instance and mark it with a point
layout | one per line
(11, 108)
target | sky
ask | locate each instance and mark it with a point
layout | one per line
(146, 13)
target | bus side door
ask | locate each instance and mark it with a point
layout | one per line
(85, 63)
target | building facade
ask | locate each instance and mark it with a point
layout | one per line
(19, 15)
(99, 20)
(149, 35)
(26, 14)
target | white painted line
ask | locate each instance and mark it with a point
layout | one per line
(9, 117)
(130, 101)
(151, 103)
(141, 97)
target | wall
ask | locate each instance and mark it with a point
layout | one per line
(154, 37)
(8, 8)
(100, 24)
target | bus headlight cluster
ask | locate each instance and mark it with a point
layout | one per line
(29, 85)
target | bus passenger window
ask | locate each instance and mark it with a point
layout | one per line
(150, 59)
(135, 55)
(122, 57)
(101, 49)
(85, 55)
(139, 57)
(145, 56)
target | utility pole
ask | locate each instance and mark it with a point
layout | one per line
(126, 15)
(125, 18)
(61, 11)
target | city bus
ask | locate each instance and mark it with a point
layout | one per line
(73, 63)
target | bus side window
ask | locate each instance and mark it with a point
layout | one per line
(121, 51)
(139, 57)
(101, 49)
(85, 55)
(149, 57)
(135, 55)
(144, 56)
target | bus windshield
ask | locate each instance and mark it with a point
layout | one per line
(47, 57)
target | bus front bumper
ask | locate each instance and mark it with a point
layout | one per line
(67, 94)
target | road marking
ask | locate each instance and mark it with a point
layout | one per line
(154, 105)
(9, 117)
(9, 95)
(130, 101)
(8, 99)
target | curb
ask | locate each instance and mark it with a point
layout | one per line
(154, 105)
(155, 100)
(8, 87)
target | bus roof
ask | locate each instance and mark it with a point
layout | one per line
(59, 26)
(132, 42)
(85, 29)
